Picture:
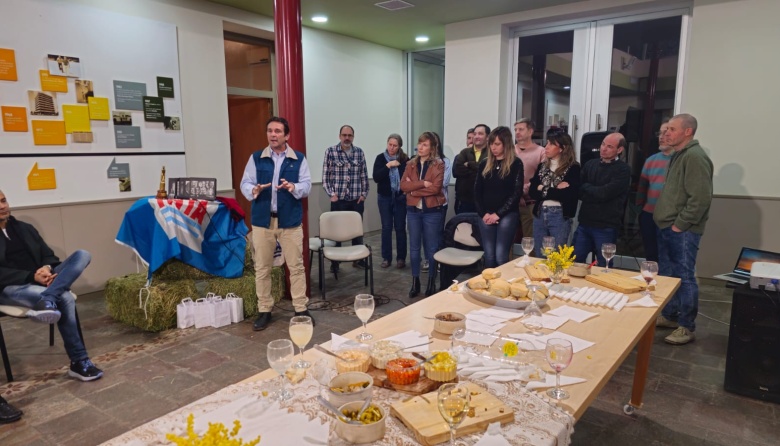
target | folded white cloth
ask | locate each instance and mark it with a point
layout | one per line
(622, 303)
(549, 381)
(523, 262)
(550, 322)
(540, 342)
(646, 301)
(572, 313)
(337, 341)
(499, 312)
(483, 328)
(484, 318)
(493, 437)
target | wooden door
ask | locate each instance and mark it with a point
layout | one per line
(247, 117)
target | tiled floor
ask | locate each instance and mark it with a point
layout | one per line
(148, 375)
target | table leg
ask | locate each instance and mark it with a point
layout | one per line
(640, 371)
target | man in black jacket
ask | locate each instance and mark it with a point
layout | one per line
(32, 276)
(465, 167)
(603, 193)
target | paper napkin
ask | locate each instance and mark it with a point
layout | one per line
(646, 301)
(572, 313)
(493, 437)
(540, 342)
(410, 338)
(547, 321)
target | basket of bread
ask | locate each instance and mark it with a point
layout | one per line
(491, 288)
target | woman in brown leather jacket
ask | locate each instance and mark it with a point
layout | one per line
(422, 183)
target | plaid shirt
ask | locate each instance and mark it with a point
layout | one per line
(345, 176)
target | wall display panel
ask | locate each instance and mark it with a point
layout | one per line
(102, 48)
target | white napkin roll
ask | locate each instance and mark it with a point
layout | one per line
(614, 301)
(622, 303)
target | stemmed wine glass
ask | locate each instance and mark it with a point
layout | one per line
(548, 245)
(533, 314)
(528, 246)
(649, 270)
(453, 401)
(559, 353)
(608, 251)
(301, 330)
(280, 355)
(364, 308)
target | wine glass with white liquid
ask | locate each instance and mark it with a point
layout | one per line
(301, 330)
(364, 308)
(528, 246)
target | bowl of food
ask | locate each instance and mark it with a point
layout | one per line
(383, 351)
(372, 428)
(448, 322)
(443, 367)
(579, 270)
(350, 386)
(403, 371)
(356, 359)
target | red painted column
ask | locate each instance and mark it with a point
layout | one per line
(289, 91)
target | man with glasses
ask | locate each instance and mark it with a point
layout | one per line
(681, 212)
(345, 179)
(651, 181)
(603, 192)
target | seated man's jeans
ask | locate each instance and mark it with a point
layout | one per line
(59, 293)
(589, 240)
(677, 258)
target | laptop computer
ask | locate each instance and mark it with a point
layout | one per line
(741, 272)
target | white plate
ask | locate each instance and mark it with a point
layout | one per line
(499, 302)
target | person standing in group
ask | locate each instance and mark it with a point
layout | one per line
(497, 192)
(469, 137)
(275, 180)
(445, 188)
(389, 167)
(681, 213)
(651, 181)
(555, 188)
(345, 179)
(604, 187)
(466, 169)
(531, 154)
(422, 182)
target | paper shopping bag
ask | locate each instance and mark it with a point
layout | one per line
(221, 312)
(185, 313)
(236, 307)
(204, 313)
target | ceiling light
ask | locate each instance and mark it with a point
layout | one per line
(319, 19)
(421, 39)
(567, 87)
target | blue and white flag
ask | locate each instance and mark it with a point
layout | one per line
(199, 233)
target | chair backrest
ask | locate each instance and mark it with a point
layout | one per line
(341, 226)
(463, 235)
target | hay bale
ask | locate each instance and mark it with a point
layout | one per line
(122, 301)
(175, 269)
(244, 287)
(249, 260)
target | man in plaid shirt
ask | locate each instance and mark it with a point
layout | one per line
(345, 179)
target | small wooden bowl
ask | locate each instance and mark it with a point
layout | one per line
(579, 270)
(445, 323)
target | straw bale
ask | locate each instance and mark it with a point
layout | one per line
(122, 301)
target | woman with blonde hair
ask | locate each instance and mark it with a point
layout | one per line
(497, 195)
(422, 182)
(555, 187)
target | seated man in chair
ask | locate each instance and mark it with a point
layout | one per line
(32, 276)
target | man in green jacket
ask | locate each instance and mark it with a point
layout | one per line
(681, 213)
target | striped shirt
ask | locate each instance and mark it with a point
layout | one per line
(651, 181)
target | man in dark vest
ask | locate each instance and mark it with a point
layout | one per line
(275, 180)
(465, 167)
(32, 276)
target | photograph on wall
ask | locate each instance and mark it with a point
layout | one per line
(165, 87)
(58, 84)
(124, 184)
(122, 117)
(172, 123)
(84, 91)
(154, 110)
(64, 65)
(7, 65)
(42, 103)
(14, 118)
(129, 95)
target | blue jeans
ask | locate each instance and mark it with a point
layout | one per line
(497, 239)
(424, 228)
(589, 240)
(392, 213)
(59, 293)
(551, 222)
(649, 235)
(677, 258)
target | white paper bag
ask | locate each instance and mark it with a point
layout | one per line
(185, 313)
(221, 312)
(204, 313)
(236, 307)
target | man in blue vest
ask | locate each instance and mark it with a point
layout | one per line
(275, 180)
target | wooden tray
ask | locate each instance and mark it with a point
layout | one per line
(423, 386)
(617, 282)
(423, 418)
(542, 274)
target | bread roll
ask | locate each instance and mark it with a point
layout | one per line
(499, 288)
(541, 289)
(478, 283)
(518, 290)
(491, 273)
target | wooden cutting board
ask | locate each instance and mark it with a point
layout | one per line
(423, 418)
(542, 274)
(617, 282)
(422, 386)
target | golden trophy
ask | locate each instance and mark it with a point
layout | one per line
(161, 193)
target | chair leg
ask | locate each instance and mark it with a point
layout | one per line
(371, 268)
(322, 278)
(443, 275)
(51, 335)
(78, 327)
(6, 362)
